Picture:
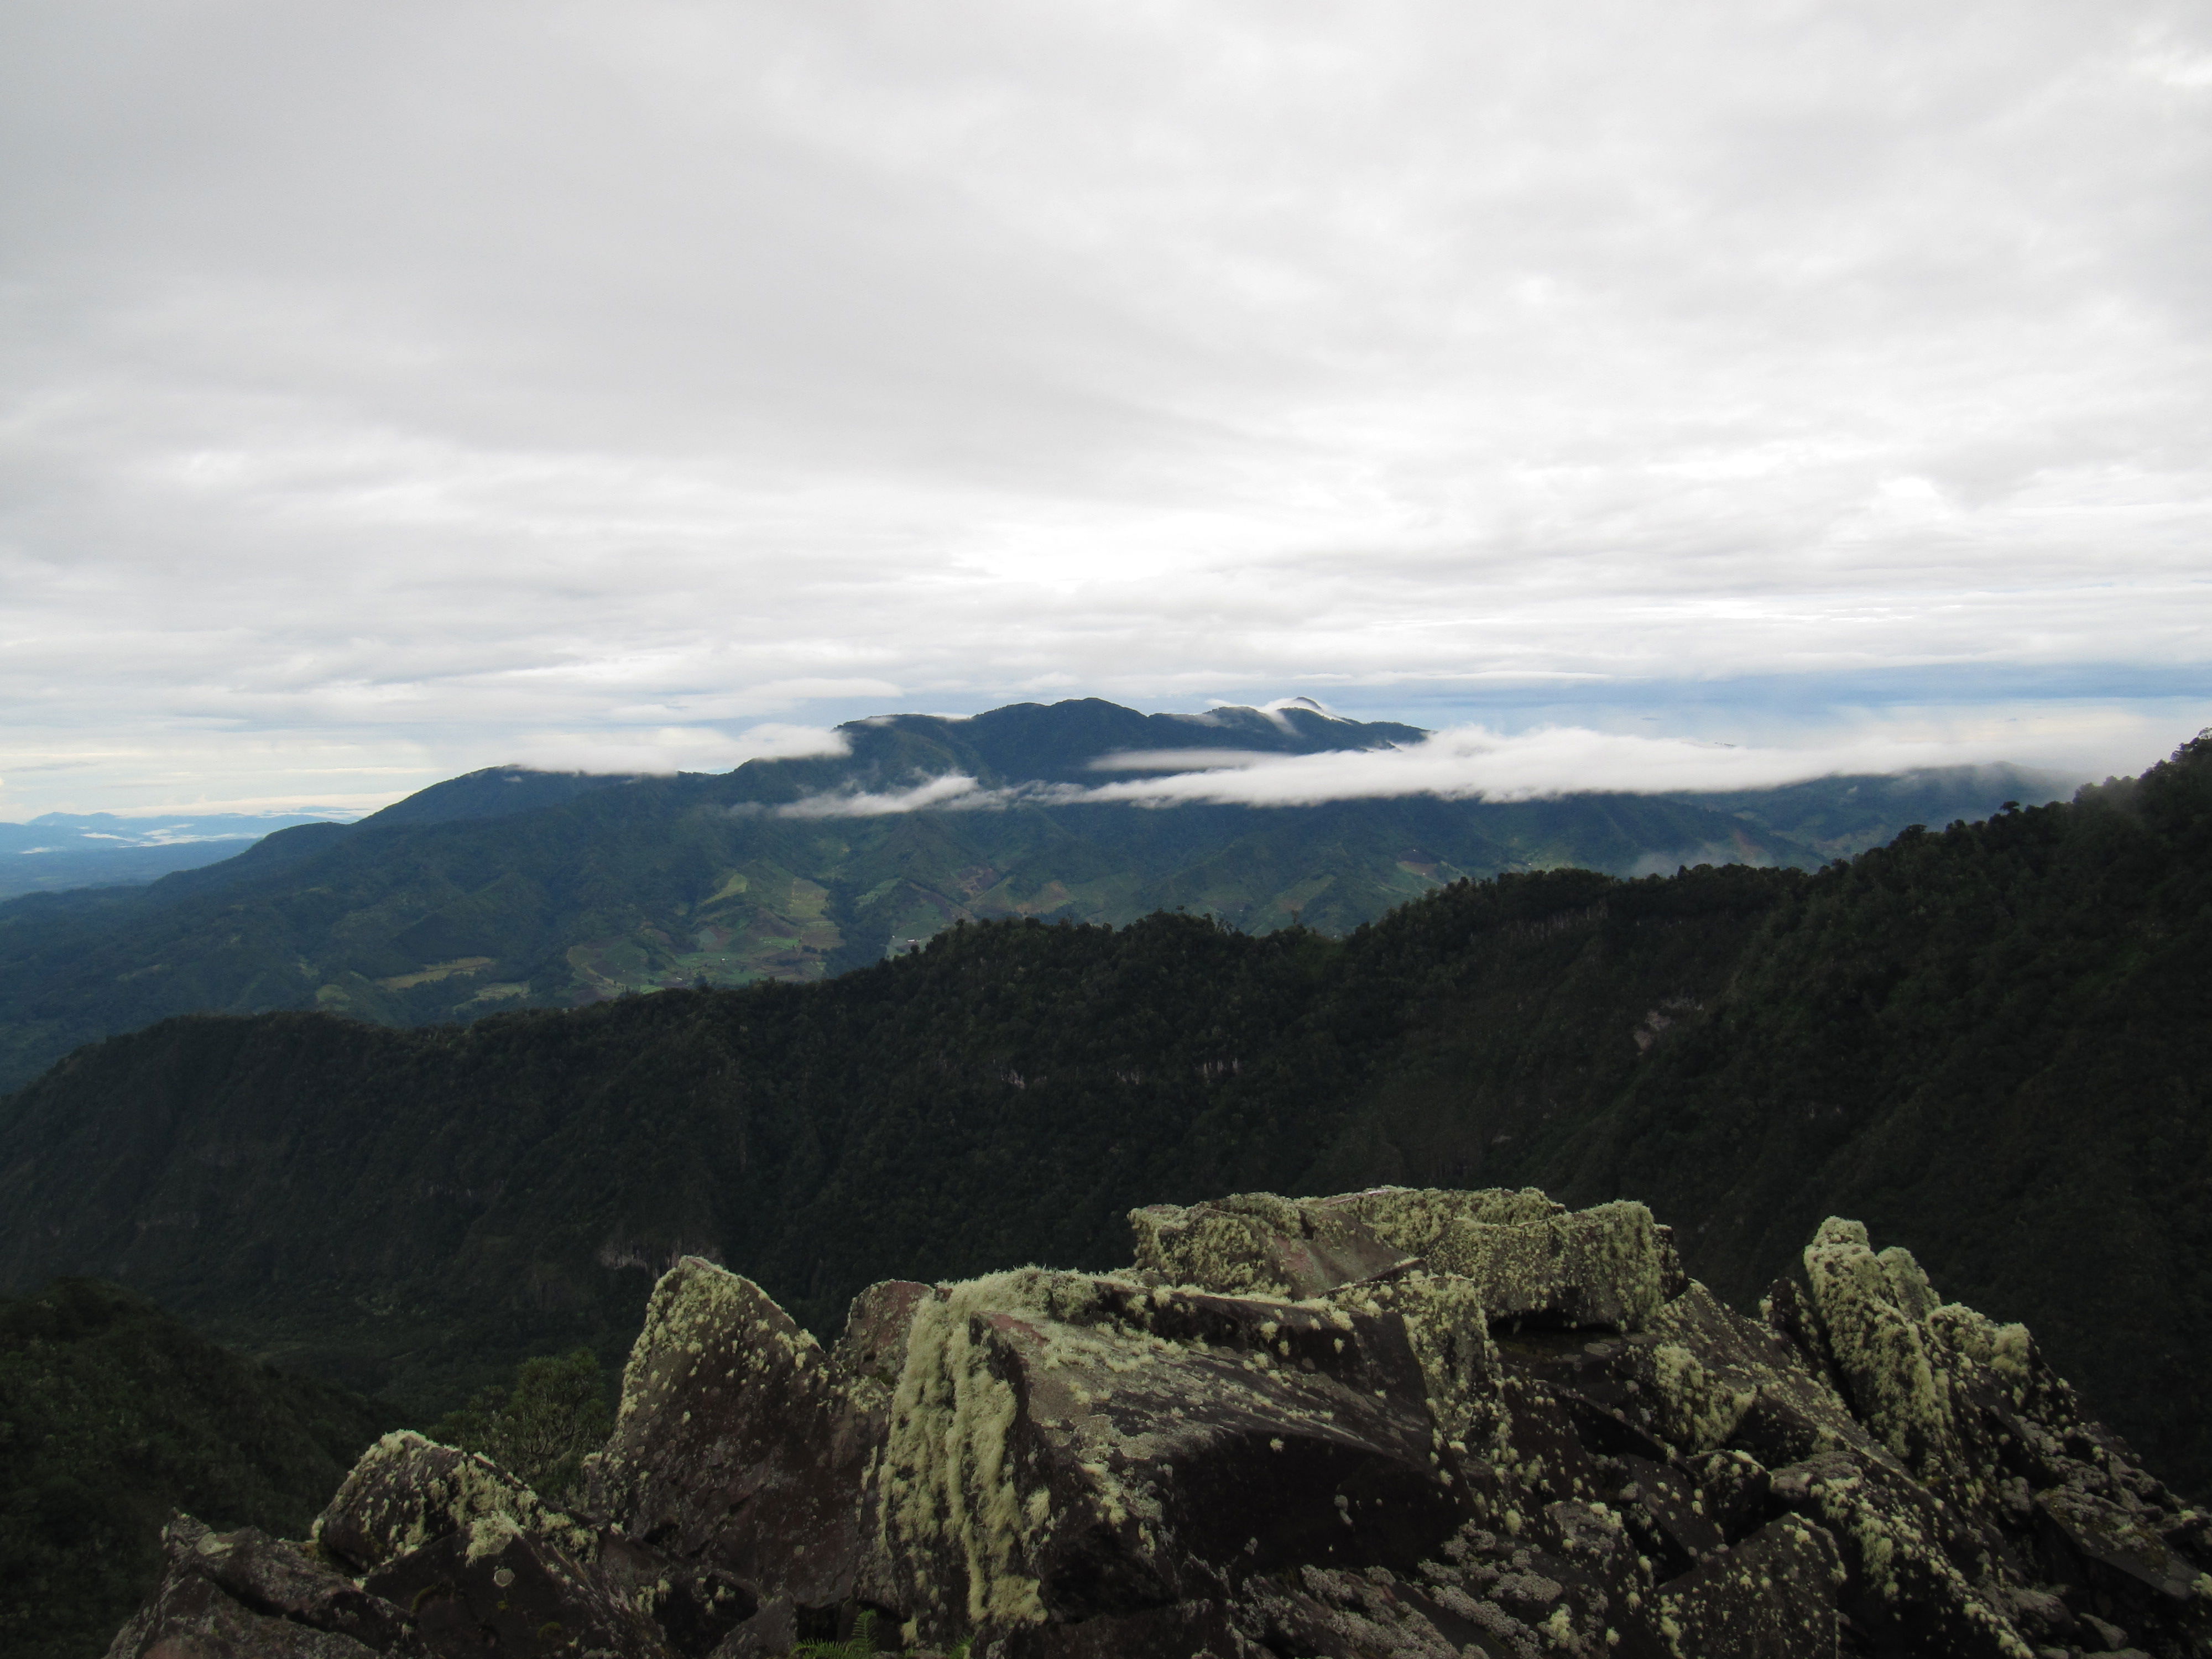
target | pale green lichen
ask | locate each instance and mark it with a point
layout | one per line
(407, 1491)
(1223, 1246)
(1897, 1557)
(697, 1306)
(1908, 1286)
(950, 1481)
(1879, 1347)
(1697, 1410)
(1529, 1255)
(1449, 1329)
(2007, 1351)
(1606, 1265)
(490, 1533)
(706, 1330)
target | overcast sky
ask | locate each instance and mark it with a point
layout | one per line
(394, 389)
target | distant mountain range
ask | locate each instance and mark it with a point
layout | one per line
(1989, 1042)
(511, 888)
(60, 850)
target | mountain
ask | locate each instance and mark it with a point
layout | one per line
(113, 1416)
(510, 889)
(1988, 1042)
(59, 850)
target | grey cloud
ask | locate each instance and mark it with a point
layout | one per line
(397, 389)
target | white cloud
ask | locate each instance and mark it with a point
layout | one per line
(1472, 763)
(1174, 760)
(678, 749)
(953, 791)
(1463, 764)
(397, 390)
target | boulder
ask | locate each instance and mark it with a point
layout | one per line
(244, 1592)
(406, 1491)
(1772, 1596)
(727, 1449)
(191, 1618)
(1395, 1422)
(1259, 1244)
(1530, 1258)
(1064, 1448)
(485, 1592)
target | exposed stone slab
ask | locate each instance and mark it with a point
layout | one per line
(279, 1578)
(477, 1592)
(407, 1492)
(1257, 1244)
(1529, 1258)
(773, 1629)
(725, 1449)
(1772, 1596)
(247, 1593)
(191, 1618)
(1064, 1448)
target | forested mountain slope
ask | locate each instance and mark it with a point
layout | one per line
(511, 889)
(113, 1416)
(1989, 1042)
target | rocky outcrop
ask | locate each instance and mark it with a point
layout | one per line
(1386, 1423)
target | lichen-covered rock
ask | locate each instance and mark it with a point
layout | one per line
(1610, 1267)
(246, 1593)
(281, 1578)
(1391, 1423)
(873, 1347)
(406, 1491)
(1065, 1448)
(1528, 1257)
(726, 1449)
(1772, 1596)
(1873, 1311)
(1257, 1244)
(2002, 1504)
(483, 1592)
(190, 1617)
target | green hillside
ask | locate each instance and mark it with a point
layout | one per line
(1988, 1041)
(113, 1416)
(509, 889)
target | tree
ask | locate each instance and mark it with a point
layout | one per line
(541, 1429)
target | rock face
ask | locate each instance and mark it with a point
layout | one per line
(1383, 1423)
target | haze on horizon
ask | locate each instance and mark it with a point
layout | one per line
(394, 391)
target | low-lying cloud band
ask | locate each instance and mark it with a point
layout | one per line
(1465, 763)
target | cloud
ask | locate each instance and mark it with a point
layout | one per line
(1174, 760)
(678, 749)
(1463, 763)
(953, 791)
(1472, 763)
(392, 390)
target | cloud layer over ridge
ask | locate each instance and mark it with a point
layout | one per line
(1461, 763)
(394, 390)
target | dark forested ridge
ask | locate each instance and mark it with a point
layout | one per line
(510, 889)
(1989, 1042)
(113, 1415)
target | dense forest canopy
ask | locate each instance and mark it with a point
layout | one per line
(112, 1417)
